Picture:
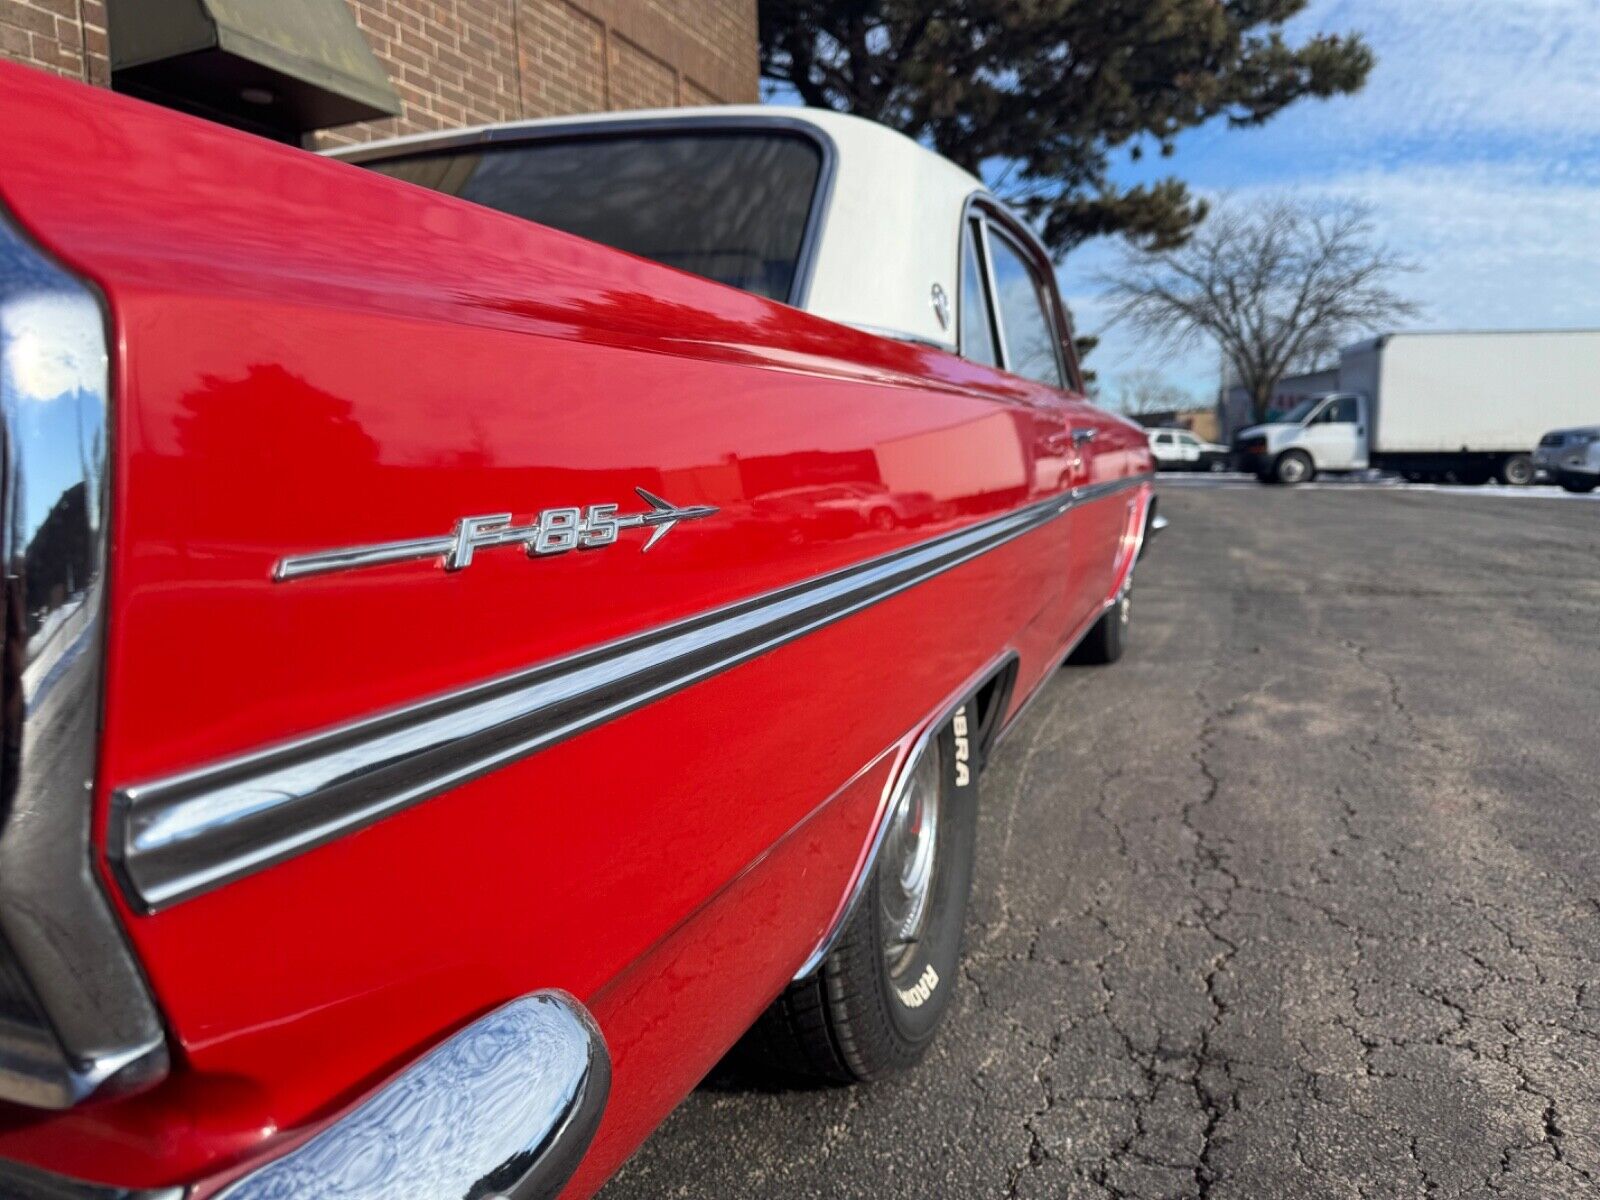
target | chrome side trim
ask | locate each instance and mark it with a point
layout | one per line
(75, 1016)
(176, 838)
(18, 1182)
(900, 335)
(913, 745)
(504, 1110)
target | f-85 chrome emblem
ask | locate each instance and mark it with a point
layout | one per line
(553, 531)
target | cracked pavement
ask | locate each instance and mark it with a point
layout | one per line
(1302, 899)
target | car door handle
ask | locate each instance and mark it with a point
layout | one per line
(1082, 437)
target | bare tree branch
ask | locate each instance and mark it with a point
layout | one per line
(1141, 392)
(1274, 286)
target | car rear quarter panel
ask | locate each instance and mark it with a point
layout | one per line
(310, 356)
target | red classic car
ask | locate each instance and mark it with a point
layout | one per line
(446, 703)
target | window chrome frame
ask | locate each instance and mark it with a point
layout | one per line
(1044, 289)
(984, 210)
(971, 237)
(520, 133)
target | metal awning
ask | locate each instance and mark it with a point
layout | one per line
(279, 67)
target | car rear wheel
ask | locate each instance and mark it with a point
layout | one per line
(1105, 642)
(874, 1005)
(1582, 487)
(1517, 471)
(1295, 466)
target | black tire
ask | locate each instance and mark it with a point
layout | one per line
(1105, 642)
(1582, 489)
(1517, 470)
(857, 1018)
(1294, 467)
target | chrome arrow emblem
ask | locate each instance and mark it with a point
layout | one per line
(662, 516)
(553, 531)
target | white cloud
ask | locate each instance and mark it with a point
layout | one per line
(1499, 245)
(1452, 69)
(1477, 142)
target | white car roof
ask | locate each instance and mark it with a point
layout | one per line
(890, 232)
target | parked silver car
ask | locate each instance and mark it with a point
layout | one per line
(1571, 457)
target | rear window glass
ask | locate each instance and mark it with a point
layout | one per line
(732, 207)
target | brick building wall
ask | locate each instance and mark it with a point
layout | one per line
(467, 62)
(65, 36)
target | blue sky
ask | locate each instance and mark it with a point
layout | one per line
(1476, 141)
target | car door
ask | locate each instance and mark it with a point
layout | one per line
(1335, 435)
(1054, 466)
(1032, 338)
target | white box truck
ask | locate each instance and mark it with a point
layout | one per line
(1469, 407)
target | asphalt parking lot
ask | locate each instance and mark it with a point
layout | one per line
(1302, 899)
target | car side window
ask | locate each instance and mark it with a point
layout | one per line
(1344, 411)
(1027, 330)
(1163, 439)
(977, 321)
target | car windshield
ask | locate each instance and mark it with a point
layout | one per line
(1300, 411)
(729, 205)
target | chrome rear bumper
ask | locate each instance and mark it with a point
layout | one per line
(505, 1109)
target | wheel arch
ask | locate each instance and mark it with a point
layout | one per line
(989, 692)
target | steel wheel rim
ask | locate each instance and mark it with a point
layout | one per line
(909, 852)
